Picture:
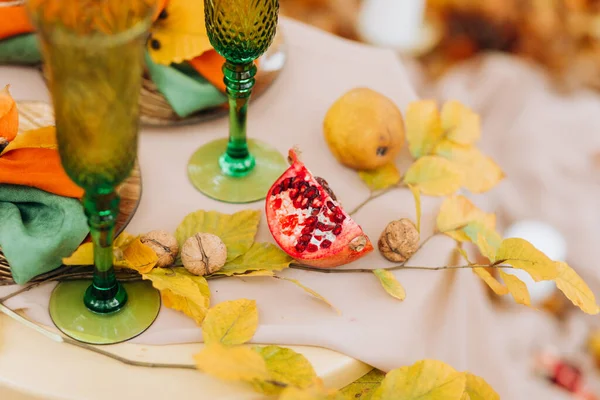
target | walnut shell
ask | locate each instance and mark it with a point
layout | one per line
(164, 245)
(399, 241)
(203, 254)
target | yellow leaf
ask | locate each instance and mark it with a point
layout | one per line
(230, 323)
(382, 177)
(237, 231)
(139, 257)
(460, 124)
(261, 256)
(390, 283)
(576, 289)
(124, 240)
(463, 253)
(311, 292)
(516, 288)
(434, 176)
(522, 255)
(285, 366)
(181, 291)
(485, 248)
(480, 173)
(84, 255)
(238, 363)
(417, 196)
(478, 389)
(180, 36)
(492, 282)
(258, 273)
(364, 387)
(427, 379)
(44, 138)
(315, 392)
(423, 127)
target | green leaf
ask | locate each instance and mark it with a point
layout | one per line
(284, 366)
(237, 231)
(523, 255)
(311, 292)
(261, 256)
(479, 389)
(181, 291)
(417, 196)
(382, 177)
(230, 323)
(425, 380)
(434, 176)
(363, 388)
(390, 283)
(423, 127)
(237, 363)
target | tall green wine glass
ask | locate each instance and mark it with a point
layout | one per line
(238, 170)
(93, 53)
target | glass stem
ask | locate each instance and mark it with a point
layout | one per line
(239, 81)
(105, 294)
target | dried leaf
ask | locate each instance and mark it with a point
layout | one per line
(516, 288)
(382, 177)
(417, 196)
(259, 273)
(480, 173)
(492, 282)
(364, 387)
(261, 256)
(460, 124)
(285, 366)
(390, 283)
(315, 392)
(423, 127)
(44, 138)
(84, 255)
(230, 323)
(523, 255)
(434, 176)
(139, 257)
(237, 231)
(478, 389)
(311, 292)
(427, 379)
(124, 240)
(182, 291)
(575, 289)
(238, 363)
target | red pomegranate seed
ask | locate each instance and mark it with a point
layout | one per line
(300, 247)
(304, 238)
(312, 248)
(294, 194)
(276, 191)
(326, 244)
(311, 221)
(277, 204)
(318, 237)
(331, 206)
(324, 228)
(337, 230)
(315, 211)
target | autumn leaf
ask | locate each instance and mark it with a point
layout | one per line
(456, 213)
(257, 273)
(417, 196)
(44, 138)
(480, 173)
(523, 255)
(124, 240)
(364, 387)
(181, 291)
(492, 282)
(478, 389)
(485, 248)
(516, 288)
(427, 379)
(434, 176)
(460, 124)
(575, 289)
(139, 257)
(390, 283)
(315, 392)
(237, 231)
(423, 127)
(261, 256)
(284, 366)
(84, 255)
(310, 291)
(382, 177)
(230, 323)
(238, 363)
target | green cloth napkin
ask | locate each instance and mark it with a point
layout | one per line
(186, 91)
(21, 49)
(38, 229)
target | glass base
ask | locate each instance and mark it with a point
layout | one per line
(207, 176)
(74, 319)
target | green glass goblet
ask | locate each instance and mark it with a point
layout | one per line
(238, 170)
(93, 53)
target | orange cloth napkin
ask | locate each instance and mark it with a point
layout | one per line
(14, 21)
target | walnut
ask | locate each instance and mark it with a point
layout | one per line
(203, 254)
(399, 241)
(164, 245)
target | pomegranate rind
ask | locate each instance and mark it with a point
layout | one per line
(292, 217)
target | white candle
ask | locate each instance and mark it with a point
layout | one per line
(395, 24)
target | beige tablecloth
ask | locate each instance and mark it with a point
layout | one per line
(446, 315)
